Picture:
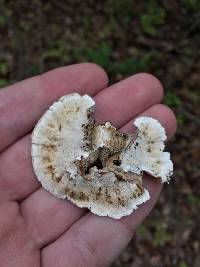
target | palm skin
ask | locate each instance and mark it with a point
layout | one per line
(36, 228)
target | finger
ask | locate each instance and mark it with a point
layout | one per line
(41, 207)
(128, 98)
(48, 216)
(160, 112)
(97, 240)
(17, 179)
(23, 103)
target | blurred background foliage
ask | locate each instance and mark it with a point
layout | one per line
(126, 37)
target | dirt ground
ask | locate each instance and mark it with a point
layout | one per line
(126, 37)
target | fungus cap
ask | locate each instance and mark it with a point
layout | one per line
(95, 165)
(146, 152)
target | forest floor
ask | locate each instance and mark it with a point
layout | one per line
(126, 37)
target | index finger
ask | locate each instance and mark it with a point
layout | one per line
(23, 103)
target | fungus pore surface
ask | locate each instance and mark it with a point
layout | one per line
(95, 165)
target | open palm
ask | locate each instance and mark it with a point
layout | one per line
(36, 228)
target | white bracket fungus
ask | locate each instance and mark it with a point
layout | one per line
(95, 165)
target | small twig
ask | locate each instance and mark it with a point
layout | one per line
(193, 27)
(155, 43)
(1, 45)
(59, 5)
(189, 116)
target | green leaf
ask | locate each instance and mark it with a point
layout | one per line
(172, 100)
(183, 264)
(2, 21)
(193, 200)
(4, 68)
(160, 236)
(191, 5)
(131, 65)
(141, 230)
(3, 82)
(101, 55)
(152, 18)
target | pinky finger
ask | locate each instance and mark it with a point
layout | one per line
(160, 112)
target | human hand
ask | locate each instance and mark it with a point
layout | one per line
(36, 228)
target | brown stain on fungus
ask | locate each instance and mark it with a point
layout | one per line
(50, 169)
(98, 195)
(58, 179)
(138, 191)
(46, 158)
(122, 202)
(51, 125)
(78, 196)
(66, 190)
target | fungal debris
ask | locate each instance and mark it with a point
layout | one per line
(95, 165)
